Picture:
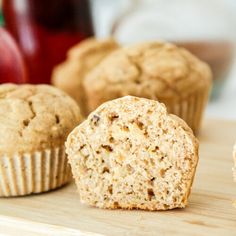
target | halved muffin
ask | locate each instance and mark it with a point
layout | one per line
(130, 153)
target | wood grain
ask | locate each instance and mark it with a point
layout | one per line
(210, 210)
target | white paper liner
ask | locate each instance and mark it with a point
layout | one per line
(36, 172)
(190, 109)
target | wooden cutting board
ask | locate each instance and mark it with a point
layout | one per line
(210, 210)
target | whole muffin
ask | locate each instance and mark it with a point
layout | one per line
(154, 70)
(131, 154)
(80, 60)
(34, 124)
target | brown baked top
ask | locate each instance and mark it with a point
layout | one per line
(153, 69)
(81, 58)
(92, 46)
(34, 117)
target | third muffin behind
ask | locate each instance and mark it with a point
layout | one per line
(154, 70)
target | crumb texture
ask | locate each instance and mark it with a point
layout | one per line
(131, 154)
(34, 118)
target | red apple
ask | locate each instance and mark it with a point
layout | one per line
(12, 67)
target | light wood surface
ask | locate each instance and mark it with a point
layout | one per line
(210, 210)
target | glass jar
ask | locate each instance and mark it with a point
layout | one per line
(204, 27)
(45, 30)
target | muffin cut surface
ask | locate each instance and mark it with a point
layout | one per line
(131, 154)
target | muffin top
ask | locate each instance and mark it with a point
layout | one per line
(153, 70)
(33, 118)
(80, 59)
(91, 47)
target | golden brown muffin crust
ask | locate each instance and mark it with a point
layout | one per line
(81, 58)
(34, 117)
(91, 46)
(153, 70)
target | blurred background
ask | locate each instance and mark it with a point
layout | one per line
(44, 30)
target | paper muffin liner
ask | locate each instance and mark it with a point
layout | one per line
(190, 109)
(36, 172)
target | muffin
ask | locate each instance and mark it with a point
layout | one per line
(35, 122)
(80, 60)
(131, 154)
(154, 70)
